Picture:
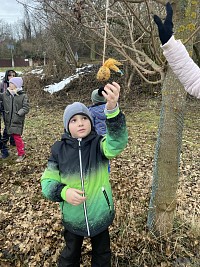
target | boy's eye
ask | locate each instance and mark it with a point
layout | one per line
(73, 120)
(85, 118)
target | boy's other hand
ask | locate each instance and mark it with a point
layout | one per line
(73, 196)
(111, 94)
(165, 29)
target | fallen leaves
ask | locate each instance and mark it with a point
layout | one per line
(31, 230)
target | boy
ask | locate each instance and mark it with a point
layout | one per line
(177, 56)
(15, 103)
(77, 177)
(97, 111)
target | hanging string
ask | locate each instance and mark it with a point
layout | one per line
(104, 72)
(105, 31)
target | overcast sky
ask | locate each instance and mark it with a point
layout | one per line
(10, 11)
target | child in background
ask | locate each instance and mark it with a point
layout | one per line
(97, 111)
(3, 147)
(77, 177)
(15, 103)
(5, 83)
(3, 87)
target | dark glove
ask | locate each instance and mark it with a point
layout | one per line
(101, 89)
(165, 29)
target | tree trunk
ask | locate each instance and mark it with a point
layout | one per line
(169, 141)
(92, 51)
(167, 156)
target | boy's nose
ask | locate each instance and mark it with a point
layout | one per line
(80, 122)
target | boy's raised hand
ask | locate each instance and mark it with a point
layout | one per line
(165, 29)
(73, 196)
(111, 94)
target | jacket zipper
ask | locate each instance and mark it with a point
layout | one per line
(82, 186)
(107, 199)
(12, 97)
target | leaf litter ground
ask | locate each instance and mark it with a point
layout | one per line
(31, 226)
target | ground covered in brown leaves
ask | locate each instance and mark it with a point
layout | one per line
(31, 227)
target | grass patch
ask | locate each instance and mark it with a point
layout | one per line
(4, 198)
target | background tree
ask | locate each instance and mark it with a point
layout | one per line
(129, 33)
(169, 141)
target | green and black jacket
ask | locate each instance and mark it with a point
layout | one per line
(83, 164)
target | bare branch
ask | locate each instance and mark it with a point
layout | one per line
(192, 35)
(163, 2)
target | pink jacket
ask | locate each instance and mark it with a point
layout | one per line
(183, 66)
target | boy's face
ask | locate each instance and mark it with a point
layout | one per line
(79, 126)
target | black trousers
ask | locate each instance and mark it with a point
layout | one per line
(6, 137)
(3, 146)
(71, 254)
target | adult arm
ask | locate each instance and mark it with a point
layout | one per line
(183, 66)
(177, 56)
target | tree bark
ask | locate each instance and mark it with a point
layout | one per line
(167, 156)
(92, 51)
(168, 147)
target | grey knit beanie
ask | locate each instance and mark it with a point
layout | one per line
(96, 98)
(75, 109)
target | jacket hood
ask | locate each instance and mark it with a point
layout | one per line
(7, 73)
(20, 91)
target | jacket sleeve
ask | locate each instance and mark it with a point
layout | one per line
(50, 181)
(116, 137)
(25, 107)
(183, 66)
